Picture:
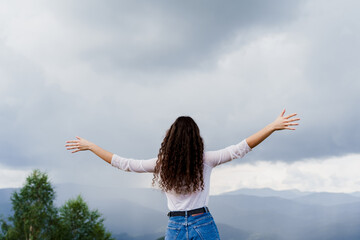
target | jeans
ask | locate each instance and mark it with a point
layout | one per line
(192, 227)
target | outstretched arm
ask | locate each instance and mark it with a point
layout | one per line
(281, 122)
(82, 144)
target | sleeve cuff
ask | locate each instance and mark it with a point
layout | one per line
(247, 146)
(113, 160)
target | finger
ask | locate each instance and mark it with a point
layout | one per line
(69, 148)
(292, 124)
(282, 113)
(292, 120)
(72, 141)
(78, 137)
(72, 149)
(75, 151)
(291, 115)
(73, 144)
(288, 128)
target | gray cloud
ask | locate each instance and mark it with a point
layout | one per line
(119, 73)
(162, 35)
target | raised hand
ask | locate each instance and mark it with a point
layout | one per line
(80, 144)
(280, 123)
(285, 122)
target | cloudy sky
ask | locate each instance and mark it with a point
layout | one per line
(119, 73)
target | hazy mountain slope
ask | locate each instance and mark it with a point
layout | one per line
(125, 236)
(355, 194)
(268, 192)
(5, 209)
(150, 198)
(273, 216)
(286, 219)
(231, 233)
(5, 194)
(124, 216)
(327, 199)
(5, 203)
(137, 214)
(133, 211)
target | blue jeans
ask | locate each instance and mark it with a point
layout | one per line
(192, 227)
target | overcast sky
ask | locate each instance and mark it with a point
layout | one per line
(119, 73)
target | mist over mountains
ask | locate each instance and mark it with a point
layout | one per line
(246, 214)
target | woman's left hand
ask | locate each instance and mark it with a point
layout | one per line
(286, 122)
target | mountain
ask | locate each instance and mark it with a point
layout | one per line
(231, 233)
(328, 199)
(5, 203)
(125, 236)
(250, 214)
(125, 211)
(5, 194)
(5, 209)
(355, 194)
(268, 192)
(286, 219)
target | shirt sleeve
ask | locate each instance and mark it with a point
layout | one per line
(215, 158)
(132, 165)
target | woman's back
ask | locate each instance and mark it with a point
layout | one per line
(197, 199)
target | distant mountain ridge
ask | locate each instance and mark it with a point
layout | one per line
(5, 203)
(268, 192)
(328, 199)
(320, 198)
(246, 214)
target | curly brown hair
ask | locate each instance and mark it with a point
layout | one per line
(179, 166)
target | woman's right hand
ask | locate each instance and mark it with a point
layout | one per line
(80, 144)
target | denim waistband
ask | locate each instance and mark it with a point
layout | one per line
(188, 212)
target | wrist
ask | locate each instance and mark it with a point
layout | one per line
(271, 127)
(91, 146)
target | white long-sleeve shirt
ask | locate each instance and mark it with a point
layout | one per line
(198, 199)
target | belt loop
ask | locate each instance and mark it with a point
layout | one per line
(206, 209)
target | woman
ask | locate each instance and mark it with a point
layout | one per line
(182, 170)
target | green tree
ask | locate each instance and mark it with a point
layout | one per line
(78, 222)
(35, 216)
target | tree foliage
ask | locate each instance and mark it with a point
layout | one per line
(79, 223)
(3, 228)
(36, 218)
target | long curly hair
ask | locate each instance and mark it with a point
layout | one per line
(179, 166)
